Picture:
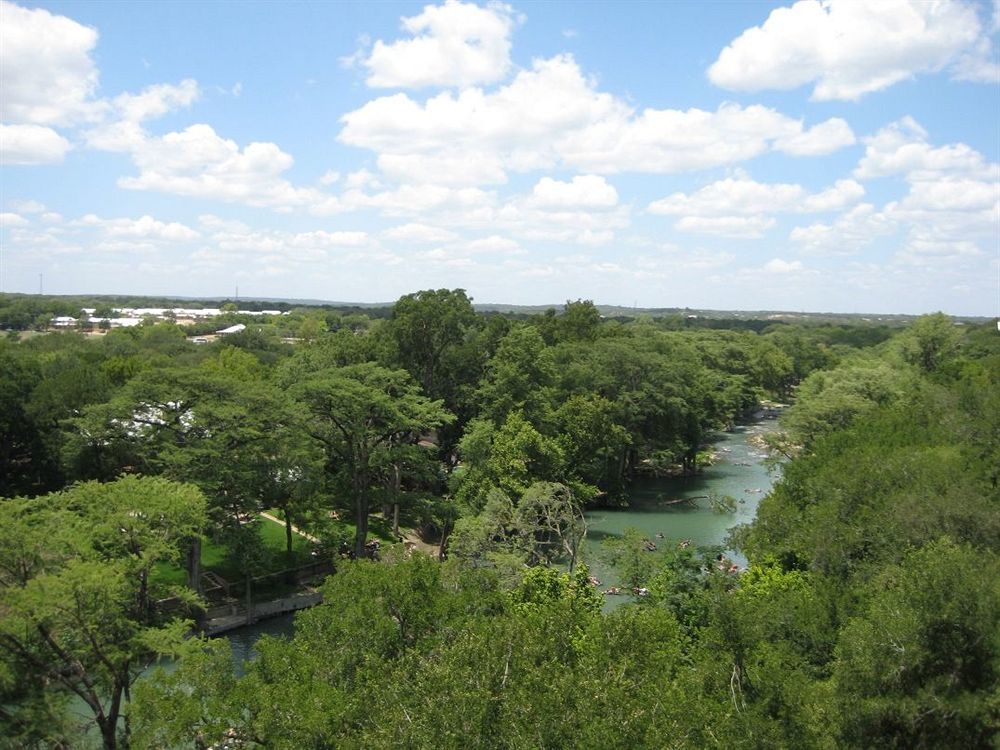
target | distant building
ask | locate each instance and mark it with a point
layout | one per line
(232, 329)
(115, 322)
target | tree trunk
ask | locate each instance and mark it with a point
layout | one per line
(288, 534)
(361, 515)
(249, 598)
(109, 736)
(108, 724)
(291, 577)
(126, 719)
(395, 499)
(445, 533)
(193, 564)
(145, 606)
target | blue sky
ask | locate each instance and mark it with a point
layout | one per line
(817, 156)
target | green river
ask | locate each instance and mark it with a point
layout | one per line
(738, 472)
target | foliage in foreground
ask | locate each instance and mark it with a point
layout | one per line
(868, 617)
(77, 599)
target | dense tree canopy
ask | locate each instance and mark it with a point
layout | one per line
(364, 416)
(866, 617)
(76, 595)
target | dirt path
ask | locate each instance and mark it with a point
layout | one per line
(295, 529)
(413, 541)
(410, 536)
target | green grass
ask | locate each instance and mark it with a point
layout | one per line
(273, 535)
(213, 554)
(378, 528)
(166, 574)
(213, 557)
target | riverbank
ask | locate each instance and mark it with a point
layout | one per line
(738, 471)
(237, 617)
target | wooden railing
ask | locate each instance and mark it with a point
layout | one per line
(223, 594)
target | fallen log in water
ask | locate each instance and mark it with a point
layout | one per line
(678, 500)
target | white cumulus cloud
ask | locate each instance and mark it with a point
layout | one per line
(553, 116)
(123, 129)
(31, 144)
(779, 265)
(590, 191)
(49, 80)
(415, 232)
(493, 244)
(849, 48)
(197, 162)
(9, 219)
(846, 235)
(741, 227)
(157, 100)
(738, 206)
(740, 195)
(46, 73)
(455, 44)
(145, 227)
(821, 139)
(902, 148)
(462, 168)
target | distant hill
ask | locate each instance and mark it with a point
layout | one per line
(608, 311)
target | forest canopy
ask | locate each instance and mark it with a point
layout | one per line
(867, 615)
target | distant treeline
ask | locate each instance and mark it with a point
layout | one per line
(21, 312)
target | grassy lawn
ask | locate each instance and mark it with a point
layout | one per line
(213, 556)
(378, 528)
(273, 535)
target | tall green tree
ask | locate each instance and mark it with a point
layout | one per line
(580, 321)
(519, 377)
(361, 415)
(543, 527)
(428, 329)
(25, 466)
(830, 400)
(930, 342)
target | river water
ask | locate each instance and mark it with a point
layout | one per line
(738, 472)
(243, 640)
